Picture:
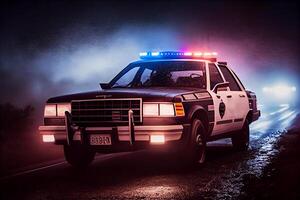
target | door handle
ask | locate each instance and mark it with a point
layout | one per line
(241, 95)
(229, 96)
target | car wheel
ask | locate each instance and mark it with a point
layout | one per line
(240, 140)
(196, 149)
(78, 156)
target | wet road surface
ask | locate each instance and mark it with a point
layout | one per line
(150, 175)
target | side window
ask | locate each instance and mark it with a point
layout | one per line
(233, 85)
(214, 75)
(238, 80)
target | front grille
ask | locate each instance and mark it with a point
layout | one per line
(105, 111)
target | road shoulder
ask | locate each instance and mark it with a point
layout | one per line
(281, 178)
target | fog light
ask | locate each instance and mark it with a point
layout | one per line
(157, 139)
(48, 138)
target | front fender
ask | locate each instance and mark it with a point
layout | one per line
(194, 109)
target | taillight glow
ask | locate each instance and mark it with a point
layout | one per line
(157, 139)
(48, 138)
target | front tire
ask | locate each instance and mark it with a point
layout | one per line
(78, 156)
(240, 141)
(196, 149)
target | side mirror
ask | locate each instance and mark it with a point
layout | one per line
(104, 85)
(220, 85)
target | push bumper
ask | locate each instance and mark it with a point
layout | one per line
(119, 133)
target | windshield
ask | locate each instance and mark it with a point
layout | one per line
(162, 74)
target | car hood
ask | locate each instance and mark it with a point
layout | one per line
(147, 94)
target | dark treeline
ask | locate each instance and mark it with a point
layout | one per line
(14, 121)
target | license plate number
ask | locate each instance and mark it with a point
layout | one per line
(100, 140)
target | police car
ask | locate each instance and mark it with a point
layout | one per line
(172, 100)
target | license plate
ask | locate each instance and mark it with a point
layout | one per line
(100, 139)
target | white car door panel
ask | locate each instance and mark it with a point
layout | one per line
(223, 114)
(223, 118)
(238, 100)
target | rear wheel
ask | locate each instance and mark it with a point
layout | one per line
(196, 149)
(240, 141)
(78, 156)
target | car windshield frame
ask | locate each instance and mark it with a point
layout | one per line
(143, 65)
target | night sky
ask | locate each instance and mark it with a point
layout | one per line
(50, 48)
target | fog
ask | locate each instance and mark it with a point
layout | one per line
(76, 65)
(81, 54)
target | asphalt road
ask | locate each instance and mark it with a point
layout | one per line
(152, 175)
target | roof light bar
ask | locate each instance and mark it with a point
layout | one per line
(211, 56)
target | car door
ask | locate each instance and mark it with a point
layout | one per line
(237, 98)
(223, 116)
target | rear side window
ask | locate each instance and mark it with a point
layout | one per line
(214, 75)
(233, 85)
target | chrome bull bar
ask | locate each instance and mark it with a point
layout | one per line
(71, 128)
(131, 126)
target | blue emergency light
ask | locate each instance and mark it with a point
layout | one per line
(211, 56)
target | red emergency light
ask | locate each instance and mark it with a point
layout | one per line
(211, 56)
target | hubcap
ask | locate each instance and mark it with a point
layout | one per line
(199, 140)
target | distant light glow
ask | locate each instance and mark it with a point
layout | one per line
(280, 92)
(48, 138)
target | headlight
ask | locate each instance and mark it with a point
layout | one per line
(50, 110)
(166, 109)
(163, 109)
(54, 110)
(62, 108)
(150, 109)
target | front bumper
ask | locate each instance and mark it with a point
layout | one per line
(119, 134)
